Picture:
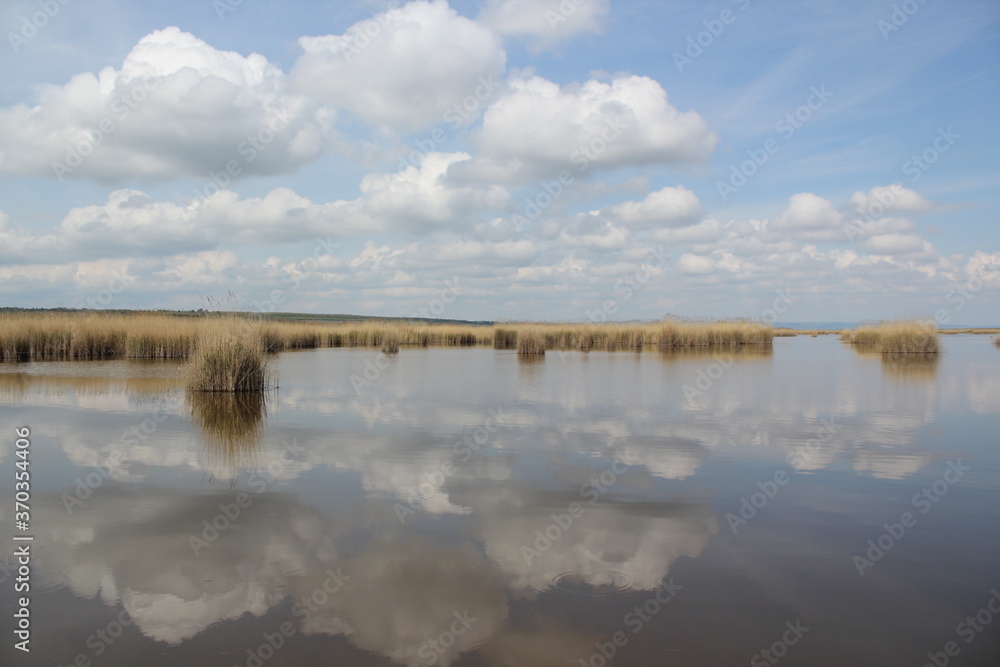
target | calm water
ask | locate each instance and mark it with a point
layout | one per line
(467, 507)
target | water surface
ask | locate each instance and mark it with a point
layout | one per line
(470, 507)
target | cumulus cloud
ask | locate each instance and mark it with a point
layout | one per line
(419, 199)
(606, 547)
(169, 592)
(177, 107)
(545, 23)
(669, 207)
(886, 198)
(538, 128)
(808, 212)
(407, 70)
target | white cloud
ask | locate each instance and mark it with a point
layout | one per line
(689, 263)
(605, 237)
(808, 212)
(545, 23)
(639, 545)
(886, 198)
(669, 207)
(417, 200)
(423, 59)
(538, 128)
(177, 107)
(705, 231)
(205, 268)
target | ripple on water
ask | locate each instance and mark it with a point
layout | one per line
(576, 582)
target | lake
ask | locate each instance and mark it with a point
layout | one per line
(807, 504)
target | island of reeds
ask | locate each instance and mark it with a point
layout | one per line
(902, 337)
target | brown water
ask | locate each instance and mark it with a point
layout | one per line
(467, 507)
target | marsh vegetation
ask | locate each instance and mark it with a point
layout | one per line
(900, 337)
(69, 336)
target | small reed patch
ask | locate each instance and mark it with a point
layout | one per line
(902, 337)
(229, 359)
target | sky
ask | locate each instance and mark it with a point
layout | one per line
(577, 160)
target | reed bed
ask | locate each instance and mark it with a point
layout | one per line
(902, 337)
(534, 338)
(68, 336)
(734, 333)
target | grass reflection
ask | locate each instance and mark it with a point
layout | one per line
(231, 424)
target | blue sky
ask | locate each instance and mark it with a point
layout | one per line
(711, 156)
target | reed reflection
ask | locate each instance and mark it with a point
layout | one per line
(232, 426)
(903, 366)
(910, 367)
(18, 386)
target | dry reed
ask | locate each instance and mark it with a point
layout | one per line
(231, 358)
(90, 335)
(530, 341)
(902, 337)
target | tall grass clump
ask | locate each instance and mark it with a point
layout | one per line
(530, 341)
(902, 337)
(229, 358)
